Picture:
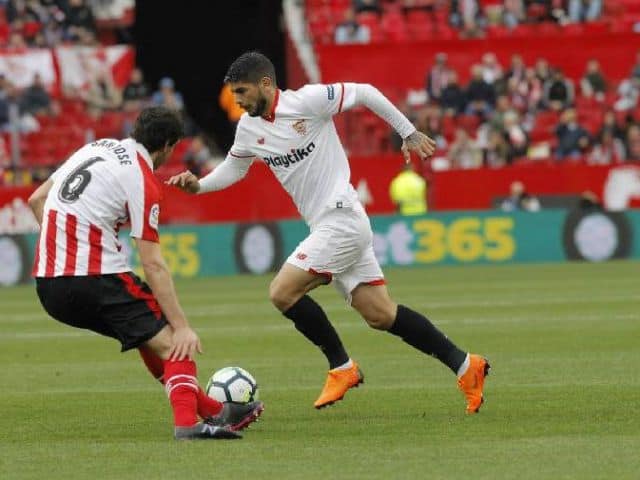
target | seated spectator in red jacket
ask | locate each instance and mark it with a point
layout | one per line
(593, 83)
(350, 31)
(573, 140)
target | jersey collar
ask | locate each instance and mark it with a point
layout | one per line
(272, 113)
(144, 153)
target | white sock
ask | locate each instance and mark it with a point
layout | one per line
(344, 366)
(465, 365)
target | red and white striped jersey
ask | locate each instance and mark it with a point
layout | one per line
(94, 192)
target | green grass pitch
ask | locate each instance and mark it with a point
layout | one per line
(562, 400)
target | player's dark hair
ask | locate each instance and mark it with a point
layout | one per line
(156, 127)
(250, 67)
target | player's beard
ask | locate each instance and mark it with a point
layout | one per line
(260, 108)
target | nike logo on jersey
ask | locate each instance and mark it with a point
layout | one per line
(288, 159)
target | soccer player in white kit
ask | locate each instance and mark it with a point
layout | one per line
(294, 134)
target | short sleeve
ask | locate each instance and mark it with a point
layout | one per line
(143, 203)
(330, 99)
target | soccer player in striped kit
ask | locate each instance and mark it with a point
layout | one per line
(84, 280)
(294, 134)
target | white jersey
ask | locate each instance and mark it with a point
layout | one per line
(94, 192)
(299, 143)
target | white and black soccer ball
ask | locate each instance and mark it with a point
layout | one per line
(232, 384)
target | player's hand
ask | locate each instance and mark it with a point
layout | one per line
(185, 181)
(419, 143)
(185, 344)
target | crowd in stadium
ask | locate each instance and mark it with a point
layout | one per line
(504, 114)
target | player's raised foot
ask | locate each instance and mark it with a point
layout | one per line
(237, 416)
(205, 431)
(337, 384)
(471, 382)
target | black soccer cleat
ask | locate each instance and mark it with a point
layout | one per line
(205, 431)
(237, 416)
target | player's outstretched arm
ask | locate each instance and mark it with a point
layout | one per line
(413, 140)
(224, 175)
(185, 341)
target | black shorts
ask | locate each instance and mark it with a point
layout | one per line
(118, 305)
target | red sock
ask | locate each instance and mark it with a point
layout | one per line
(207, 406)
(154, 363)
(182, 388)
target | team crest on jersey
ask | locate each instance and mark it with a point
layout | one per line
(300, 126)
(301, 256)
(154, 216)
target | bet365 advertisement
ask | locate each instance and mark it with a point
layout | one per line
(490, 237)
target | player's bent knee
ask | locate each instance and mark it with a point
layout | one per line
(161, 342)
(280, 298)
(378, 319)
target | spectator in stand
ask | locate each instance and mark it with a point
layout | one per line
(437, 77)
(480, 94)
(573, 140)
(593, 83)
(136, 93)
(633, 143)
(520, 199)
(559, 93)
(628, 91)
(543, 71)
(452, 98)
(584, 10)
(496, 153)
(515, 136)
(35, 99)
(517, 69)
(350, 31)
(78, 20)
(608, 149)
(513, 13)
(610, 124)
(198, 158)
(491, 69)
(4, 101)
(16, 42)
(102, 94)
(635, 71)
(503, 105)
(467, 16)
(167, 96)
(464, 153)
(367, 6)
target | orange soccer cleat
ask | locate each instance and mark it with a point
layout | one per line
(472, 381)
(338, 382)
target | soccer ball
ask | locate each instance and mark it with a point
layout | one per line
(232, 384)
